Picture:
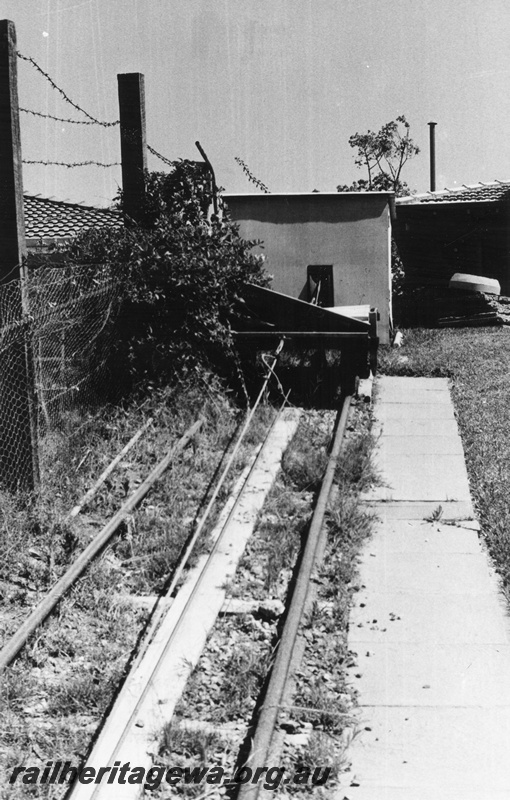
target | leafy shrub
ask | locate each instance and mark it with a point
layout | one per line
(181, 274)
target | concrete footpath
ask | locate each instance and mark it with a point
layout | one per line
(429, 626)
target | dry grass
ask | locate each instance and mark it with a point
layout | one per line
(226, 684)
(56, 691)
(322, 695)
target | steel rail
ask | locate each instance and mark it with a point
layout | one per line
(193, 540)
(110, 753)
(185, 557)
(113, 734)
(43, 609)
(87, 497)
(268, 713)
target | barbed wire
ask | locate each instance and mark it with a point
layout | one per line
(91, 120)
(251, 177)
(50, 80)
(92, 163)
(158, 155)
(75, 164)
(57, 119)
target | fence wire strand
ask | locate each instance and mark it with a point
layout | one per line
(158, 155)
(52, 83)
(57, 119)
(70, 166)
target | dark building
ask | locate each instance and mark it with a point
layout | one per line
(461, 230)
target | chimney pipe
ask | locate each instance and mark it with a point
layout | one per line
(432, 126)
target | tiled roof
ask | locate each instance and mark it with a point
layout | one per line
(46, 218)
(478, 193)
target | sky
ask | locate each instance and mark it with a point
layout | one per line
(281, 84)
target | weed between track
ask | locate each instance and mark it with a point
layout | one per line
(223, 690)
(56, 691)
(320, 719)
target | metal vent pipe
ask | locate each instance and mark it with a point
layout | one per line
(432, 126)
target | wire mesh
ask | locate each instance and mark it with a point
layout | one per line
(57, 330)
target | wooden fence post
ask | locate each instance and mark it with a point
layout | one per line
(133, 143)
(12, 221)
(19, 461)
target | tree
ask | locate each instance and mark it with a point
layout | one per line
(384, 155)
(180, 273)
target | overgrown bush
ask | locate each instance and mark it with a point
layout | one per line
(181, 274)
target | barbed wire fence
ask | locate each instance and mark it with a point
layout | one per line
(57, 336)
(90, 120)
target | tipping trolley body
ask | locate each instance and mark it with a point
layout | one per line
(270, 316)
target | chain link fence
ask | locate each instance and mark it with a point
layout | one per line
(57, 329)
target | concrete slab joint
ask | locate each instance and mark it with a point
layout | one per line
(430, 626)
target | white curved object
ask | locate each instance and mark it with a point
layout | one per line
(475, 283)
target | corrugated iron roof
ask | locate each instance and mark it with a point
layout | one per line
(477, 193)
(45, 218)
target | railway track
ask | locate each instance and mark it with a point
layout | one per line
(181, 623)
(262, 747)
(41, 611)
(158, 677)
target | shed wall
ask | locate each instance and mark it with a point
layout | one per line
(349, 231)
